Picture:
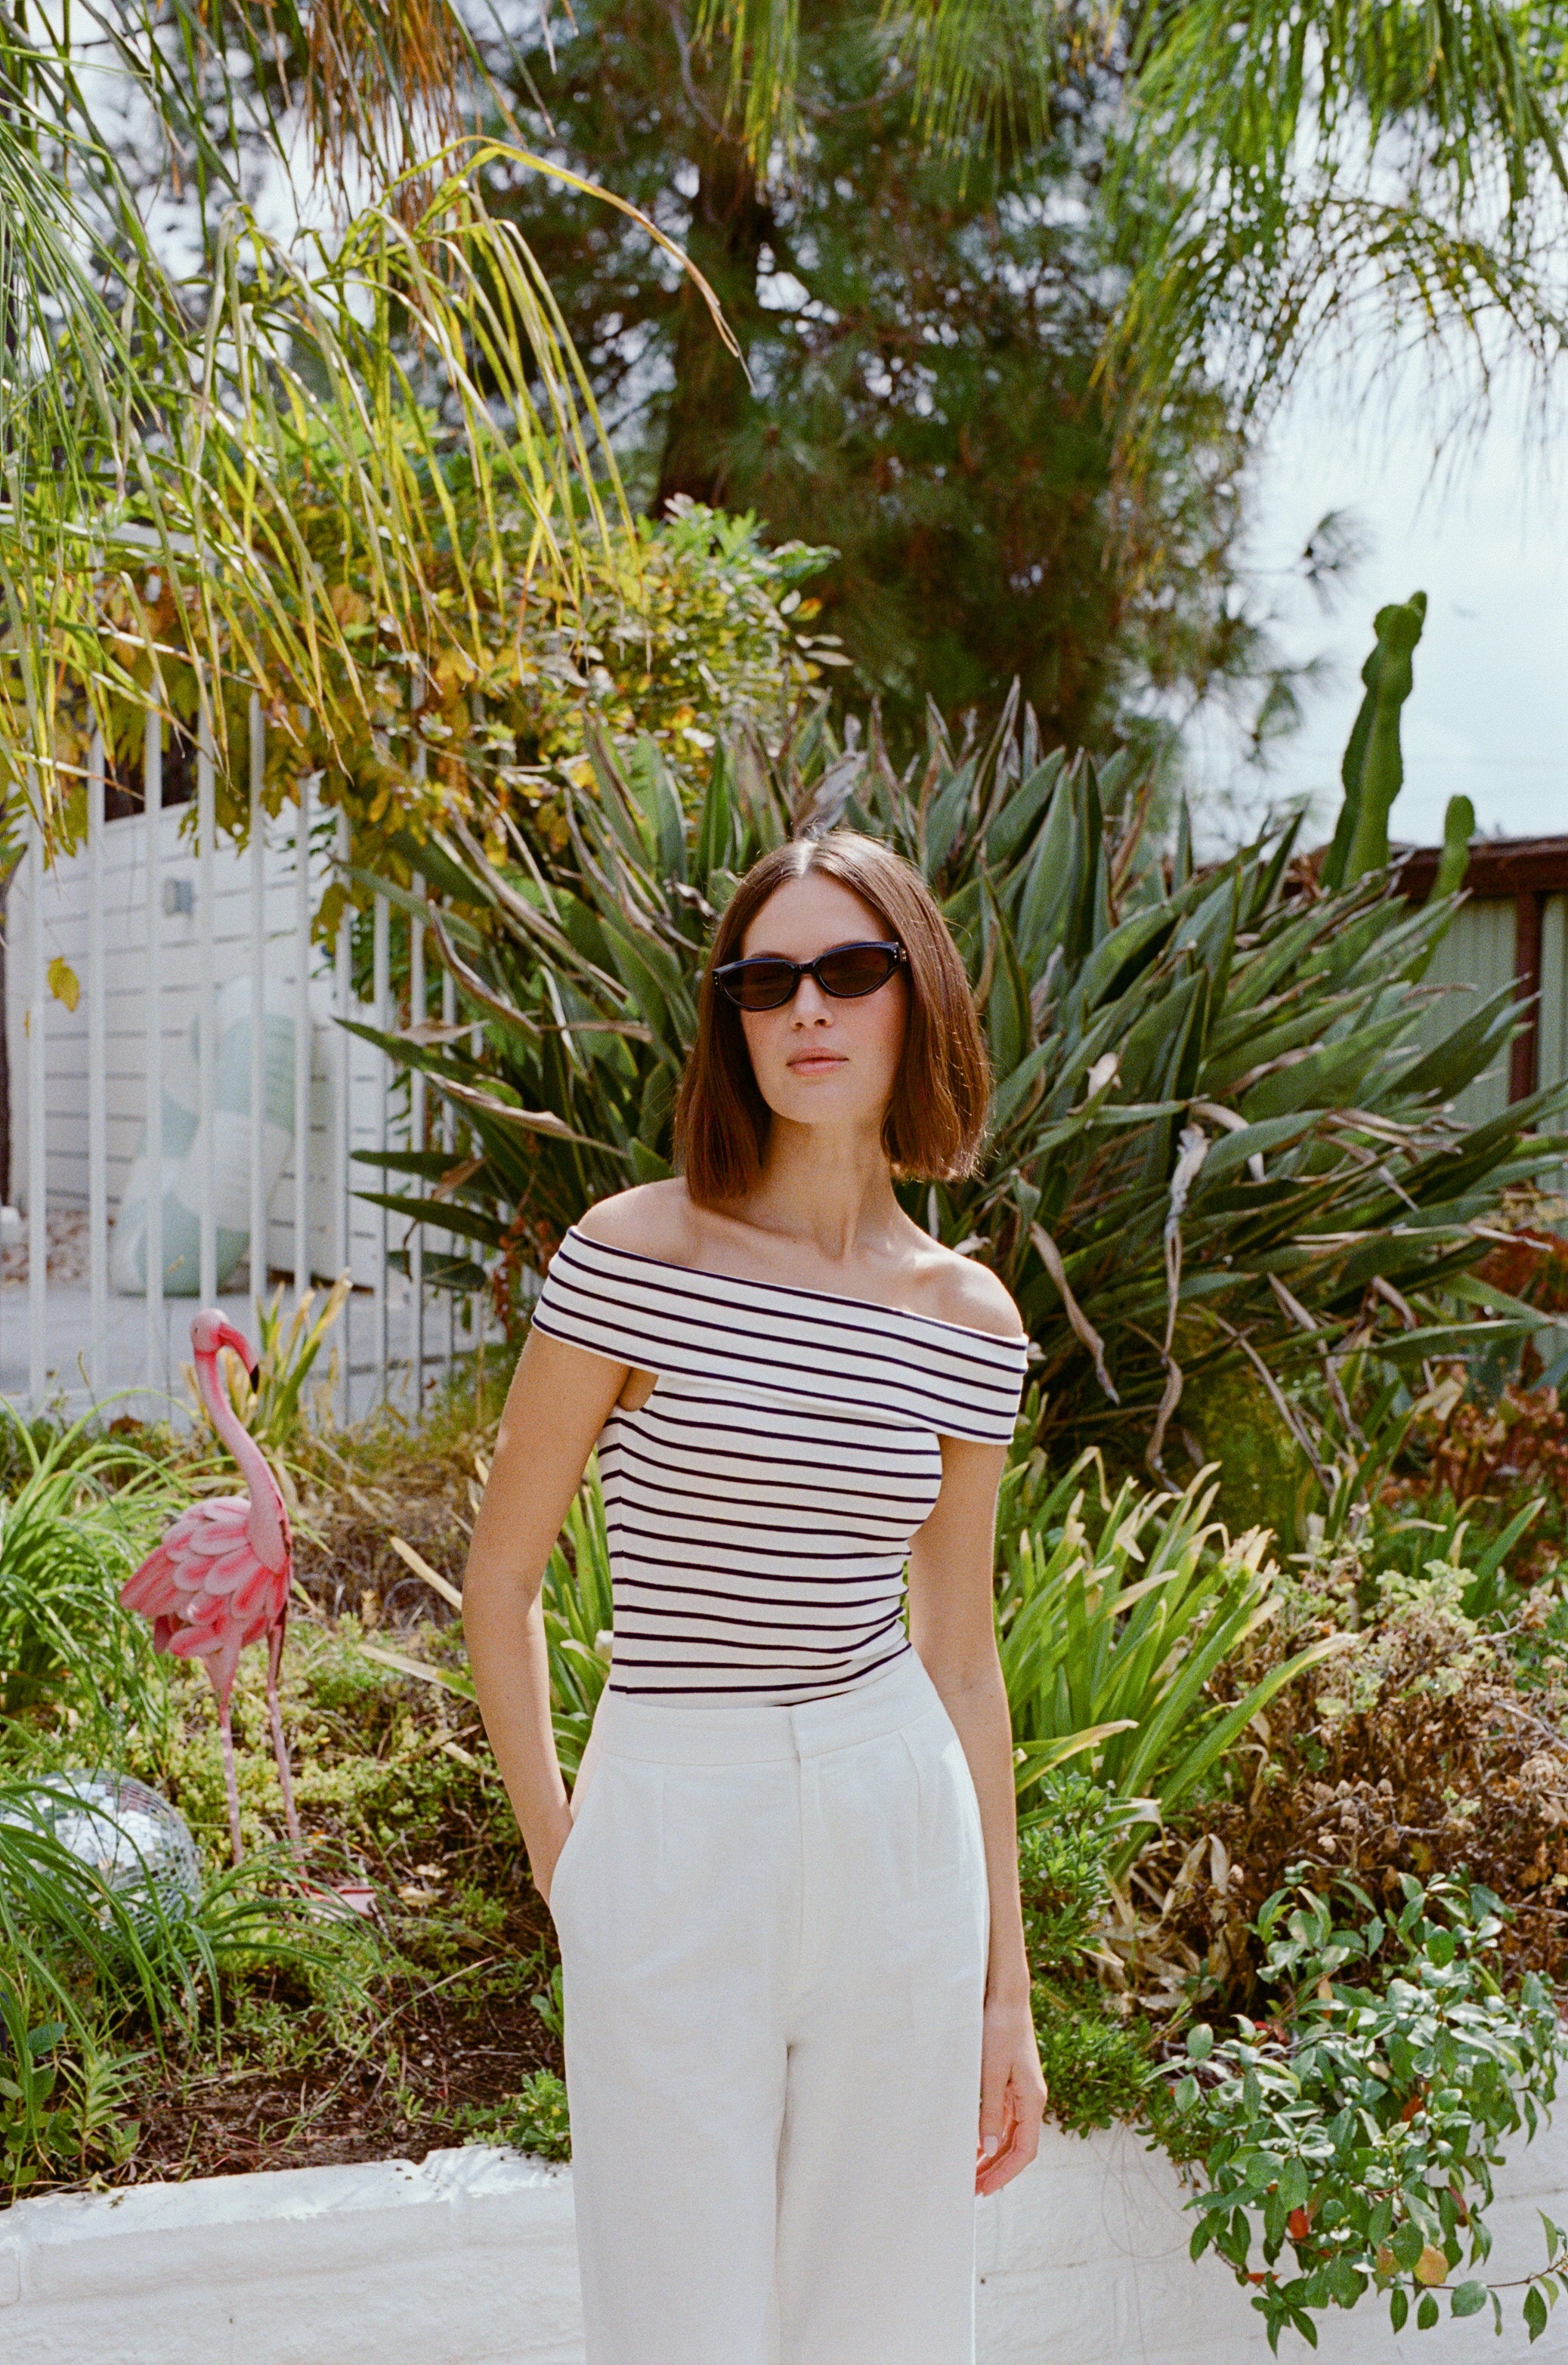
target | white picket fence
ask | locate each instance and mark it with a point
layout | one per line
(168, 931)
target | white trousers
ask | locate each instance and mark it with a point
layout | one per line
(773, 1930)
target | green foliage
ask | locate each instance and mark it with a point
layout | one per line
(672, 623)
(1063, 1867)
(1096, 2061)
(1452, 1477)
(1097, 2067)
(1276, 157)
(1362, 2124)
(80, 1965)
(535, 2119)
(1111, 1623)
(921, 327)
(1214, 1137)
(1459, 828)
(274, 409)
(66, 1544)
(579, 1615)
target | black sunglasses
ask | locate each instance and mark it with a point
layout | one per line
(845, 971)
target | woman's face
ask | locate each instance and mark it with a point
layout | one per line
(818, 1061)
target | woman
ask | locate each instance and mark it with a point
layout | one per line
(786, 1883)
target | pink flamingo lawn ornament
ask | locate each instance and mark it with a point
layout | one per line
(220, 1577)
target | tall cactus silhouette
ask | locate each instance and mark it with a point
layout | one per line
(1372, 770)
(1459, 828)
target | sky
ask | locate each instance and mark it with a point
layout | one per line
(1486, 538)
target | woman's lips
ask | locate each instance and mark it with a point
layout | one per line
(815, 1063)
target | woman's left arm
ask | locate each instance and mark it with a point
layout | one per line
(952, 1626)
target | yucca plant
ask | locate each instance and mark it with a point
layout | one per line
(1112, 1616)
(1215, 1137)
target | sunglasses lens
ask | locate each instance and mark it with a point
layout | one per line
(855, 970)
(759, 985)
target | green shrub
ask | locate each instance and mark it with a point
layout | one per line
(66, 1545)
(1362, 2124)
(1096, 2060)
(1064, 1876)
(1098, 2067)
(86, 1973)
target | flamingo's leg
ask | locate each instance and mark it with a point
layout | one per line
(227, 1732)
(280, 1750)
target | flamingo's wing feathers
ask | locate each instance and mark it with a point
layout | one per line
(150, 1590)
(221, 1523)
(208, 1588)
(263, 1590)
(234, 1568)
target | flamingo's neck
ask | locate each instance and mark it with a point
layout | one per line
(269, 1525)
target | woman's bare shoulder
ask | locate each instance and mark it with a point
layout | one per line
(964, 1292)
(653, 1219)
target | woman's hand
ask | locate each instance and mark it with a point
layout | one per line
(1013, 2094)
(544, 1857)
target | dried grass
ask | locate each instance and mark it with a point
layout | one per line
(1417, 1750)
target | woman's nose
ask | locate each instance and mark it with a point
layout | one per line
(812, 1007)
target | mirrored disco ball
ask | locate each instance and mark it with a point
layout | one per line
(139, 1845)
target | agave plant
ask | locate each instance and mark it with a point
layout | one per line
(1215, 1137)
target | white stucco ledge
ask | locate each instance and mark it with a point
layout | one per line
(469, 2259)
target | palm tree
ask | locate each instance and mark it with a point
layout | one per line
(1280, 170)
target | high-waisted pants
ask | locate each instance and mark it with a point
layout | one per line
(773, 1931)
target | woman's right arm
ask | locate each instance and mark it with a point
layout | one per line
(560, 1398)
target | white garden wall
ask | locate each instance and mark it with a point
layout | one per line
(469, 2260)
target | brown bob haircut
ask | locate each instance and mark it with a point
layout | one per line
(937, 1112)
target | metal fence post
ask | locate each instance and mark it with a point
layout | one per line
(206, 1016)
(303, 1046)
(260, 1260)
(37, 1172)
(97, 1084)
(156, 1372)
(342, 1169)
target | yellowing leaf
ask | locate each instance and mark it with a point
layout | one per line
(63, 982)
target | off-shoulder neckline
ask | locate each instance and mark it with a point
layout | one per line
(797, 1289)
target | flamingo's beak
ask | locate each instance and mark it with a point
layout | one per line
(255, 1378)
(223, 1335)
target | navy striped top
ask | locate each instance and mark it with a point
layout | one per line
(760, 1503)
